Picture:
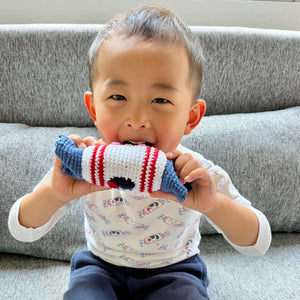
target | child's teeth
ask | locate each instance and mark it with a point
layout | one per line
(137, 143)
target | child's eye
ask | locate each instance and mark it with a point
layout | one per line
(161, 100)
(118, 97)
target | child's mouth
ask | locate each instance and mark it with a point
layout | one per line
(138, 143)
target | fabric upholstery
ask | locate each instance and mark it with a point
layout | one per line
(245, 70)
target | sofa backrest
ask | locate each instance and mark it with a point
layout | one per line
(44, 74)
(250, 70)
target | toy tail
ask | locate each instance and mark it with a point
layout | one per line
(171, 184)
(70, 155)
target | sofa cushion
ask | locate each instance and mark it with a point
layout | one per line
(249, 70)
(44, 69)
(274, 276)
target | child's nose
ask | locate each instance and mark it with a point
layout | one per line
(137, 122)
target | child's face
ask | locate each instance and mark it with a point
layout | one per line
(143, 93)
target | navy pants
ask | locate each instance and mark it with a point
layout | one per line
(92, 278)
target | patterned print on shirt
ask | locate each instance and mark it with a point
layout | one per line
(188, 248)
(132, 223)
(140, 197)
(182, 210)
(170, 221)
(95, 209)
(114, 202)
(115, 233)
(153, 238)
(152, 207)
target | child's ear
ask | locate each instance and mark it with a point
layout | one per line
(90, 105)
(196, 113)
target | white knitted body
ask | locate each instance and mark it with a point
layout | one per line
(142, 165)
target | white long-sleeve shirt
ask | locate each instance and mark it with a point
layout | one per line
(135, 230)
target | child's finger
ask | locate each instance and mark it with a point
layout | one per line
(173, 154)
(57, 164)
(99, 143)
(188, 168)
(90, 140)
(184, 164)
(78, 140)
(199, 173)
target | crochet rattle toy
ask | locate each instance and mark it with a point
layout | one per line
(137, 168)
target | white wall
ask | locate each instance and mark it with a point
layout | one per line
(264, 14)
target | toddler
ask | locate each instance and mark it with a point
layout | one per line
(145, 71)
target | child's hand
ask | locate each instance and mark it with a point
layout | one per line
(239, 224)
(67, 188)
(202, 197)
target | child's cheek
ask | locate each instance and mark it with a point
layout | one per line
(110, 129)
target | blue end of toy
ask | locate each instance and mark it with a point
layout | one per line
(171, 184)
(70, 155)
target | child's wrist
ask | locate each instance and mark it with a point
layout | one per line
(53, 196)
(216, 207)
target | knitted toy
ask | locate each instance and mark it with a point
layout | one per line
(137, 168)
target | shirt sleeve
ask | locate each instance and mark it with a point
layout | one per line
(264, 237)
(225, 186)
(25, 234)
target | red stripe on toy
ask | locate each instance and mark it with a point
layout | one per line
(152, 170)
(101, 165)
(144, 169)
(92, 165)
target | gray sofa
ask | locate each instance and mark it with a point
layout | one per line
(251, 129)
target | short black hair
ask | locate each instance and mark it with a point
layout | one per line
(152, 23)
